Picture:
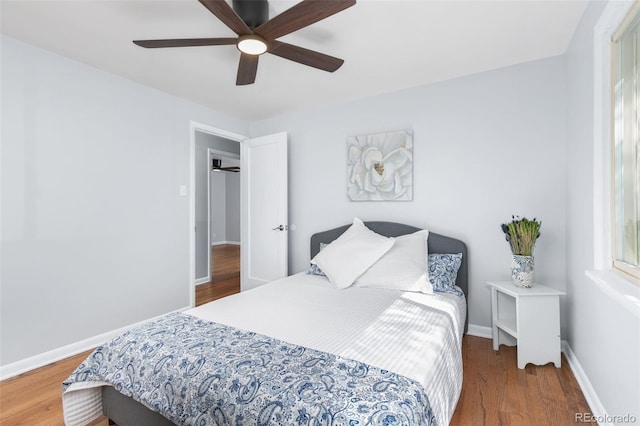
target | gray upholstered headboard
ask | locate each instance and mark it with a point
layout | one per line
(436, 244)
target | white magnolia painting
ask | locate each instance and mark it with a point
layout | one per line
(380, 167)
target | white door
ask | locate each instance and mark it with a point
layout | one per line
(264, 247)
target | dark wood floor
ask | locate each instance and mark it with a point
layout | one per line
(494, 391)
(225, 276)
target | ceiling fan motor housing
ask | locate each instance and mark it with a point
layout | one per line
(253, 12)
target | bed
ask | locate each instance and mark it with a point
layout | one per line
(372, 354)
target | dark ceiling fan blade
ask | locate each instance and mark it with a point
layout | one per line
(227, 15)
(247, 69)
(301, 15)
(227, 169)
(305, 56)
(185, 42)
(216, 165)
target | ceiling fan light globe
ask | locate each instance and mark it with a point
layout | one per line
(252, 45)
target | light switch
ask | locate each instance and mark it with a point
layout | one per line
(183, 190)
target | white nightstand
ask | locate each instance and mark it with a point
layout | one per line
(529, 318)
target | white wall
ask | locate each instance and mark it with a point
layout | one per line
(485, 147)
(218, 207)
(604, 336)
(95, 235)
(232, 205)
(225, 205)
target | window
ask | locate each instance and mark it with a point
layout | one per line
(625, 147)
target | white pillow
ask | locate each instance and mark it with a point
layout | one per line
(352, 253)
(404, 267)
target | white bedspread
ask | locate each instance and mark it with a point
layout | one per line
(413, 334)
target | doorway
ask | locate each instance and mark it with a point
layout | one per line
(264, 191)
(207, 142)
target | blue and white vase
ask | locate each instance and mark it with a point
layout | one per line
(522, 270)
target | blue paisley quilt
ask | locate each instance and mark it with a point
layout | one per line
(196, 372)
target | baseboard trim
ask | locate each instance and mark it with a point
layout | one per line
(479, 331)
(202, 280)
(24, 365)
(588, 391)
(220, 243)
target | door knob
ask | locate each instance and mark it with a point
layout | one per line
(280, 228)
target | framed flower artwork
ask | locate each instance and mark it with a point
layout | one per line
(380, 167)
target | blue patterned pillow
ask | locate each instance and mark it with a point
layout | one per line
(443, 270)
(315, 269)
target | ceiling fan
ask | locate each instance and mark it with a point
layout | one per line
(257, 34)
(216, 166)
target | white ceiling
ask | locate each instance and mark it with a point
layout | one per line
(387, 45)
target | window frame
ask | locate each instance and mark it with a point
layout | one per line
(617, 284)
(628, 271)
